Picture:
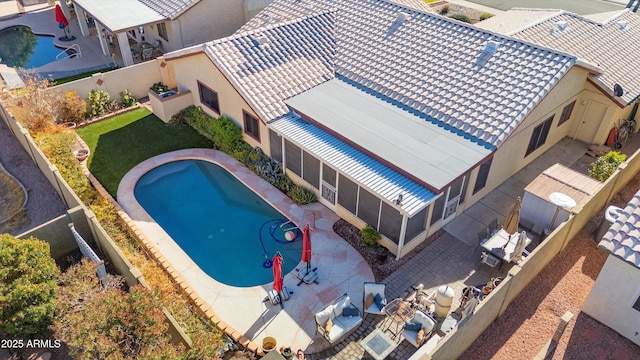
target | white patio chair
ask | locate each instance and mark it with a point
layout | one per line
(147, 54)
(427, 324)
(371, 288)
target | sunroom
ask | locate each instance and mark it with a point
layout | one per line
(374, 161)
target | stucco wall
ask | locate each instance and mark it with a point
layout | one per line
(191, 69)
(137, 78)
(510, 156)
(209, 20)
(612, 296)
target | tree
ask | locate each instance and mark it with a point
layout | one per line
(34, 105)
(28, 284)
(99, 322)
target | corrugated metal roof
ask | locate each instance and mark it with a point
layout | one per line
(412, 142)
(369, 173)
(559, 178)
(623, 237)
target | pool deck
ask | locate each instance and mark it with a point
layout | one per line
(41, 19)
(341, 269)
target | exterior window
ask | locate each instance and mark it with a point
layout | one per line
(390, 222)
(539, 136)
(416, 225)
(275, 146)
(208, 97)
(368, 208)
(636, 305)
(293, 157)
(438, 208)
(251, 126)
(347, 194)
(311, 169)
(483, 174)
(162, 31)
(566, 113)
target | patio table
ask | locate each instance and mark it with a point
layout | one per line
(496, 244)
(398, 311)
(378, 344)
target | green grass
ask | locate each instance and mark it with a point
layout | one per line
(120, 143)
(79, 76)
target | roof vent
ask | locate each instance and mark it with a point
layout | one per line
(402, 16)
(624, 25)
(490, 48)
(562, 25)
(260, 40)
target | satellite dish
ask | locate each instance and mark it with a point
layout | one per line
(617, 90)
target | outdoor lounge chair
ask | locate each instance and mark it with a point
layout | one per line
(147, 54)
(427, 324)
(372, 289)
(345, 318)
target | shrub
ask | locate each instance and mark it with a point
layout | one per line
(58, 147)
(444, 10)
(485, 16)
(605, 165)
(370, 235)
(159, 88)
(222, 131)
(302, 195)
(72, 108)
(99, 102)
(461, 17)
(127, 99)
(28, 283)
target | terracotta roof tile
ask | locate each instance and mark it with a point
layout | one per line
(607, 40)
(431, 64)
(623, 237)
(169, 8)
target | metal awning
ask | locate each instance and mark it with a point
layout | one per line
(369, 173)
(119, 15)
(433, 154)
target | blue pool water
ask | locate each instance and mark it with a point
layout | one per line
(20, 47)
(216, 220)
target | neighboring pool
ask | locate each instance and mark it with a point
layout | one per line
(216, 220)
(20, 47)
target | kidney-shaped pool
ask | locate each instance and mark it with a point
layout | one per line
(224, 227)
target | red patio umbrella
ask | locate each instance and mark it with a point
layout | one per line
(63, 23)
(306, 246)
(277, 272)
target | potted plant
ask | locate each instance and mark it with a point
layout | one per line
(382, 254)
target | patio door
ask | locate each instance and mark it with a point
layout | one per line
(453, 200)
(328, 187)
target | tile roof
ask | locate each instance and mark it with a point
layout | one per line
(273, 63)
(280, 11)
(600, 39)
(169, 8)
(430, 63)
(623, 237)
(362, 169)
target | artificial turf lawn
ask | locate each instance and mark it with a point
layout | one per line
(120, 143)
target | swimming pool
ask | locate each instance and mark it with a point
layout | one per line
(216, 220)
(20, 47)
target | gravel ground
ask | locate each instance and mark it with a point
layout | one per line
(562, 286)
(44, 203)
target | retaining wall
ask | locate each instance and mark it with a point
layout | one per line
(494, 305)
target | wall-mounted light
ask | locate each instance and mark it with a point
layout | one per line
(141, 29)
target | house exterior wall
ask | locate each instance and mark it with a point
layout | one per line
(510, 157)
(188, 70)
(208, 20)
(612, 296)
